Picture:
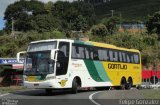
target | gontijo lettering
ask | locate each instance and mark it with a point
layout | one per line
(117, 66)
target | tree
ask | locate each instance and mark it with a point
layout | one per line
(80, 24)
(153, 24)
(21, 12)
(110, 24)
(99, 30)
(44, 23)
(72, 13)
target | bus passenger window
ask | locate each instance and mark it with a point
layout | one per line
(95, 55)
(136, 58)
(74, 53)
(115, 56)
(91, 53)
(128, 58)
(87, 53)
(124, 57)
(81, 52)
(132, 58)
(120, 56)
(110, 55)
(103, 54)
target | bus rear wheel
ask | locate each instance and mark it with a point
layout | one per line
(129, 84)
(74, 86)
(123, 84)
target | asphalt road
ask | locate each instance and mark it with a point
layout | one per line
(39, 97)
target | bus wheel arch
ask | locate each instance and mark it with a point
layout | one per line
(76, 84)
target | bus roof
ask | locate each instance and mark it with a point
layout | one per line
(98, 44)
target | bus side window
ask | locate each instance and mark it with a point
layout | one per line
(124, 56)
(95, 54)
(81, 52)
(136, 58)
(120, 56)
(87, 52)
(91, 53)
(64, 47)
(128, 57)
(102, 54)
(115, 56)
(110, 55)
(132, 58)
(74, 53)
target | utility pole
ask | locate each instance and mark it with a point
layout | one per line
(120, 20)
(13, 30)
(112, 12)
(12, 33)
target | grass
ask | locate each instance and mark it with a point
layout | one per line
(151, 93)
(10, 89)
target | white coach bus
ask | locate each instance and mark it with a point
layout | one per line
(64, 63)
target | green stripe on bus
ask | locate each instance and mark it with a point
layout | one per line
(101, 71)
(81, 42)
(92, 70)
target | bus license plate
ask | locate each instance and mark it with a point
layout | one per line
(36, 84)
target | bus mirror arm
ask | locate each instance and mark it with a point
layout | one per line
(18, 55)
(53, 54)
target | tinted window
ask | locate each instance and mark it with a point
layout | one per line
(124, 56)
(87, 52)
(120, 56)
(115, 56)
(110, 55)
(103, 54)
(136, 58)
(78, 51)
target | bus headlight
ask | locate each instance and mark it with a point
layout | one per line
(50, 77)
(24, 78)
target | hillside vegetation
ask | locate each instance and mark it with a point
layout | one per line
(64, 19)
(130, 9)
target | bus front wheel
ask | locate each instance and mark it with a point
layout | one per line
(74, 86)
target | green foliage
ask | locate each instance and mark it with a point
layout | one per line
(80, 24)
(1, 32)
(132, 10)
(99, 30)
(74, 16)
(153, 24)
(110, 24)
(44, 23)
(22, 12)
(10, 46)
(35, 15)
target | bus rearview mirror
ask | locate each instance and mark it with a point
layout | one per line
(19, 54)
(53, 54)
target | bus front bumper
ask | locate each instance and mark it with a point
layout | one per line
(40, 85)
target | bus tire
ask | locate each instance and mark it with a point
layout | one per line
(74, 86)
(123, 84)
(130, 83)
(48, 91)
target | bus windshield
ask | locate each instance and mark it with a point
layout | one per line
(39, 63)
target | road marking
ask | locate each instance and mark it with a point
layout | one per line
(4, 94)
(91, 98)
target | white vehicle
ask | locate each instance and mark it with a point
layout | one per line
(64, 63)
